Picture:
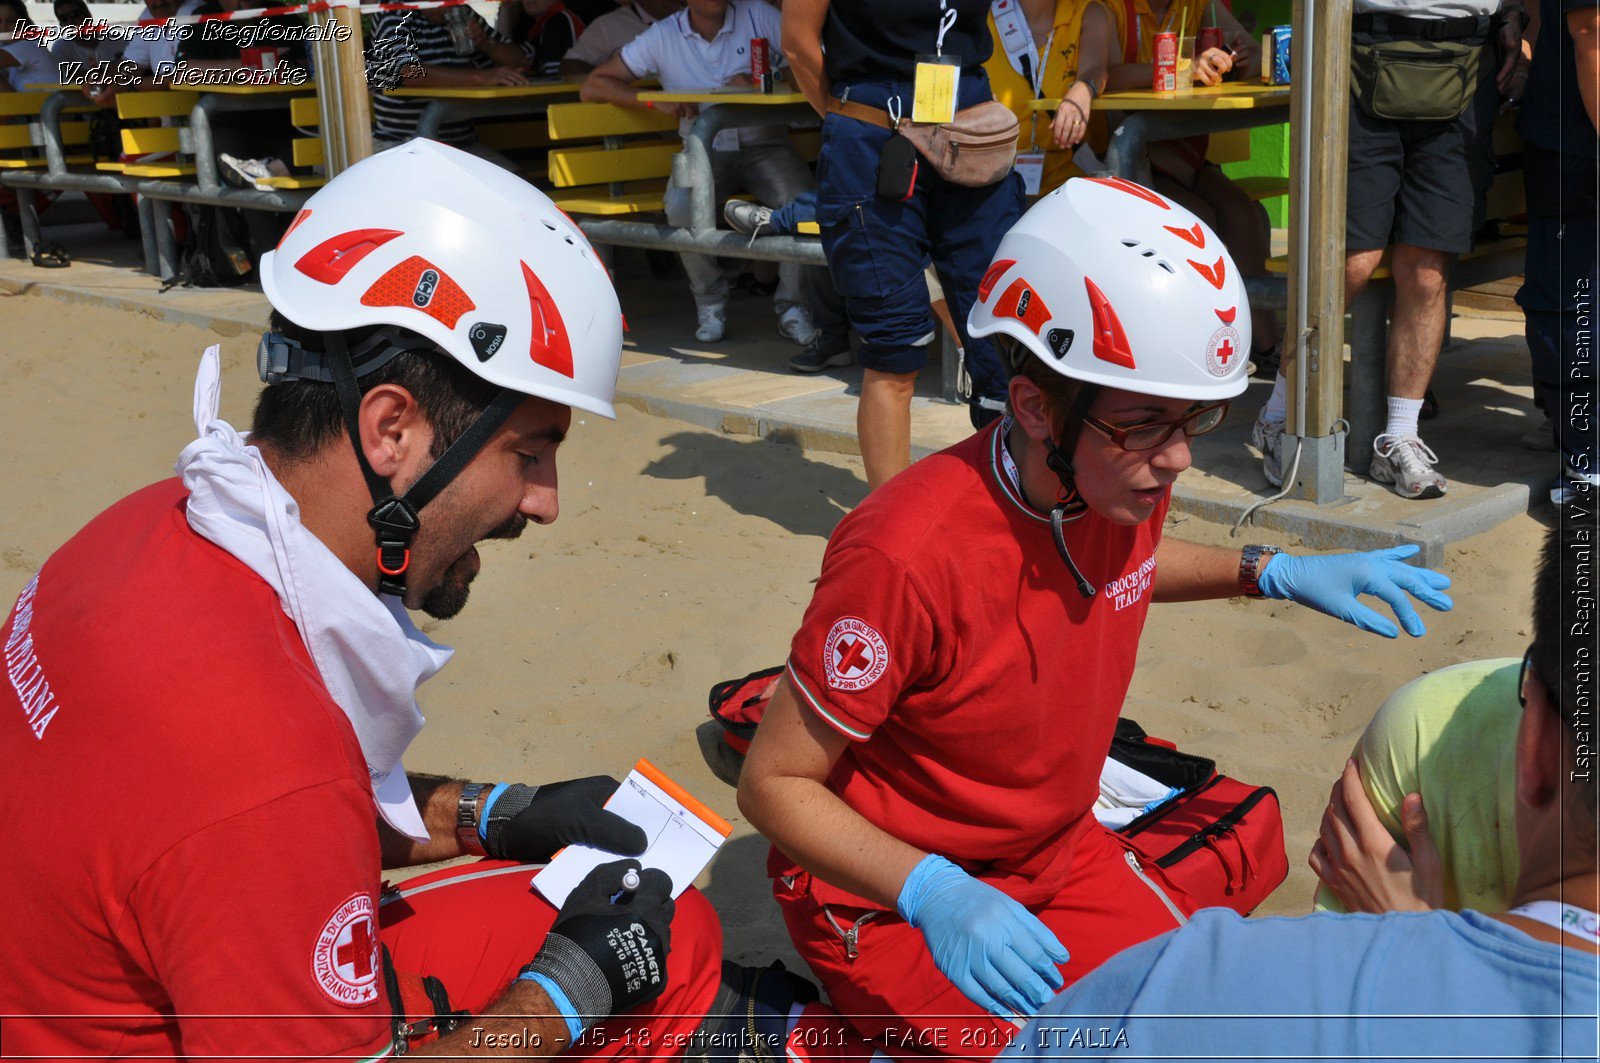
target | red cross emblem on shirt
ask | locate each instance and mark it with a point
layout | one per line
(358, 951)
(851, 655)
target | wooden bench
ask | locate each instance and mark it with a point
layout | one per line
(609, 161)
(22, 136)
(169, 106)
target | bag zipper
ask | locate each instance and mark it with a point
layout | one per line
(1223, 825)
(1151, 818)
(851, 936)
(1138, 869)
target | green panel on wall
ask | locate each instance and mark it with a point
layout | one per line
(1269, 145)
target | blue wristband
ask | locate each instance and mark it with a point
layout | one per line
(488, 803)
(559, 999)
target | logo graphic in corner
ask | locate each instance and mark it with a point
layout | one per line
(1222, 350)
(1060, 341)
(855, 655)
(345, 959)
(427, 284)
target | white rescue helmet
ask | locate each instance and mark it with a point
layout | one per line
(449, 246)
(1112, 284)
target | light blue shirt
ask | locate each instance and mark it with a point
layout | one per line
(1445, 985)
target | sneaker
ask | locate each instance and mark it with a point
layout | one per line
(795, 323)
(1571, 486)
(1264, 364)
(745, 217)
(1407, 465)
(246, 173)
(823, 352)
(713, 323)
(1267, 437)
(1540, 438)
(749, 1017)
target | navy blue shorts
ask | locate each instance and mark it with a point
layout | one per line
(877, 249)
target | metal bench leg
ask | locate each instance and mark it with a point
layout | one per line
(1366, 407)
(147, 235)
(28, 208)
(166, 239)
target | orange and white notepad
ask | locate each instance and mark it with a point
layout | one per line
(684, 835)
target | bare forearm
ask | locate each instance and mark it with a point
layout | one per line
(602, 88)
(1585, 28)
(436, 798)
(827, 837)
(805, 64)
(1192, 572)
(507, 55)
(523, 1022)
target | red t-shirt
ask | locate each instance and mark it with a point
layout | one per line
(980, 689)
(191, 837)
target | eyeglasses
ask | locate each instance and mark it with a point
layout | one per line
(1149, 435)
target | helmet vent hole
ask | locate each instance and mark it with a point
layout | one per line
(1168, 267)
(1149, 253)
(547, 225)
(1130, 243)
(569, 241)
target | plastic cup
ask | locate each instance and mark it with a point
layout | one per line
(1185, 64)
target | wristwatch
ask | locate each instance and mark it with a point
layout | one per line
(1252, 559)
(467, 818)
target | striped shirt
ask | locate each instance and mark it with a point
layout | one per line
(400, 39)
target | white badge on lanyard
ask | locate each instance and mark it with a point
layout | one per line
(1030, 165)
(933, 93)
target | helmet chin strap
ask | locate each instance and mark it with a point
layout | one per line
(396, 519)
(1069, 505)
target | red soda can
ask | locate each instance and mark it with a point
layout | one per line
(761, 64)
(1165, 78)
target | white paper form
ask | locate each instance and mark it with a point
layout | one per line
(683, 835)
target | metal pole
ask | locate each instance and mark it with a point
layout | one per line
(1314, 442)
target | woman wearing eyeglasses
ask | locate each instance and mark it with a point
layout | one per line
(927, 768)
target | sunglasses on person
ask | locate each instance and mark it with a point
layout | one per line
(1148, 435)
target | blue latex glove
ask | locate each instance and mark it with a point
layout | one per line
(1334, 584)
(995, 951)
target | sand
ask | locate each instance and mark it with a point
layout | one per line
(684, 557)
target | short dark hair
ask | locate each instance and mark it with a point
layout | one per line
(298, 418)
(1060, 392)
(1564, 627)
(19, 8)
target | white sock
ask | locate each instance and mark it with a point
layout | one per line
(1277, 408)
(1403, 416)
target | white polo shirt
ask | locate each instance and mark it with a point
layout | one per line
(683, 61)
(601, 39)
(153, 46)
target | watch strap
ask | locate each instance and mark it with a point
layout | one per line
(467, 818)
(1252, 559)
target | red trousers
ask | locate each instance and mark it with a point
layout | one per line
(474, 926)
(891, 993)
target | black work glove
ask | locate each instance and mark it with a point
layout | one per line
(531, 823)
(608, 958)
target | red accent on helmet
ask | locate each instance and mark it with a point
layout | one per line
(550, 345)
(440, 297)
(1110, 340)
(298, 218)
(1228, 315)
(1124, 185)
(1195, 236)
(330, 260)
(1217, 274)
(1024, 303)
(992, 277)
